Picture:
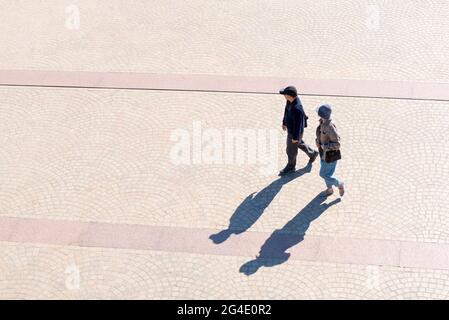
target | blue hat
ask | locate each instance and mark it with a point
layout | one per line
(325, 111)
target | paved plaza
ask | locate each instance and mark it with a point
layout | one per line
(112, 193)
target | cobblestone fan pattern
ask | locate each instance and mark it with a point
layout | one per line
(47, 272)
(110, 157)
(103, 155)
(350, 39)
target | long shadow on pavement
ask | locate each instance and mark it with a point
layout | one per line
(253, 207)
(273, 251)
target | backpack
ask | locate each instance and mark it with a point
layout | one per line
(304, 113)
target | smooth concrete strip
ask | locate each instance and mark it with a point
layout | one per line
(248, 244)
(223, 83)
(424, 255)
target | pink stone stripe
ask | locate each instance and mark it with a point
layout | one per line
(248, 244)
(226, 83)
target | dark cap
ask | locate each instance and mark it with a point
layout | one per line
(290, 90)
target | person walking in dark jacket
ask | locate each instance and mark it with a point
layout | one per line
(294, 122)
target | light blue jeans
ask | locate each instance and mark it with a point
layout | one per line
(327, 171)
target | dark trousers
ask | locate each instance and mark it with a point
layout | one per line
(292, 150)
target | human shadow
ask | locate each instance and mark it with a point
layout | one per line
(253, 206)
(273, 251)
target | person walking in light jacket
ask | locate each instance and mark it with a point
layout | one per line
(328, 143)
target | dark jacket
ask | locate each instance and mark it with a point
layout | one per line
(294, 118)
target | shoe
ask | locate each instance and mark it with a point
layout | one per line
(328, 192)
(341, 189)
(286, 170)
(313, 158)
